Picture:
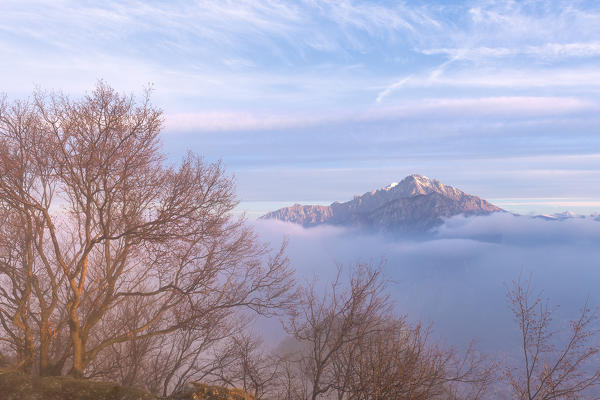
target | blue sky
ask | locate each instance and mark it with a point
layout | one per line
(318, 100)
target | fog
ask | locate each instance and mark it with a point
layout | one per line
(455, 279)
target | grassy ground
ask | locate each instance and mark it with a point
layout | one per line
(15, 385)
(18, 386)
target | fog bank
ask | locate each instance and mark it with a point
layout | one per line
(455, 278)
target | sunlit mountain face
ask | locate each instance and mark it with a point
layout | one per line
(416, 203)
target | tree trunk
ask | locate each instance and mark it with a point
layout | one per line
(44, 348)
(27, 360)
(78, 351)
(77, 341)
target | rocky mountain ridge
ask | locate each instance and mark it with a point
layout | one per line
(416, 203)
(566, 215)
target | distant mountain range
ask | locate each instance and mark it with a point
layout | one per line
(416, 203)
(567, 215)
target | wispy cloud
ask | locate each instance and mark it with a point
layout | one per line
(394, 86)
(512, 79)
(430, 109)
(189, 27)
(239, 41)
(546, 51)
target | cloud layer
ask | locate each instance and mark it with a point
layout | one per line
(456, 279)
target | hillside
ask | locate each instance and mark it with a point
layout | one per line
(15, 385)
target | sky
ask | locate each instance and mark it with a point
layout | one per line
(316, 100)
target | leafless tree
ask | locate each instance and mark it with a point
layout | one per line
(554, 366)
(330, 318)
(291, 380)
(247, 365)
(107, 245)
(29, 286)
(394, 363)
(351, 345)
(400, 361)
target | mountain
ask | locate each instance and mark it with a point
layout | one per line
(559, 216)
(566, 215)
(416, 203)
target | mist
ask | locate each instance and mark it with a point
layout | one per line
(455, 278)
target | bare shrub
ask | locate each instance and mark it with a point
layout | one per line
(554, 366)
(350, 345)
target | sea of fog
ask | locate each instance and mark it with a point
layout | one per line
(456, 278)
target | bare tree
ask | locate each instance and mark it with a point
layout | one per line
(108, 245)
(330, 318)
(394, 363)
(400, 361)
(291, 380)
(246, 364)
(351, 345)
(29, 286)
(553, 366)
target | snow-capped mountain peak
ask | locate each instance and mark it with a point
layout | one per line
(416, 202)
(390, 186)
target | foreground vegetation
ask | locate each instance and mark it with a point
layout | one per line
(16, 385)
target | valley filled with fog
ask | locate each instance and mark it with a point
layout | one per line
(455, 278)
